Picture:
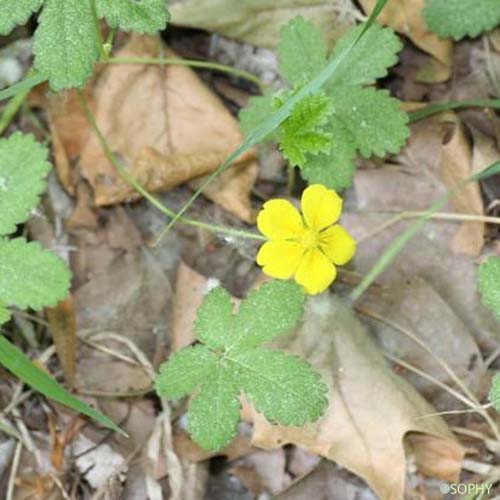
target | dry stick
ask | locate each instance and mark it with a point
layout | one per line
(13, 471)
(443, 364)
(131, 181)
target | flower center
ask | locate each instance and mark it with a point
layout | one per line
(310, 239)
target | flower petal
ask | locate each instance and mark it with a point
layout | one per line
(338, 245)
(280, 259)
(316, 272)
(279, 220)
(321, 206)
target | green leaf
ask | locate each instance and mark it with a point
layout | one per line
(273, 309)
(336, 168)
(215, 412)
(302, 51)
(214, 320)
(23, 165)
(66, 43)
(488, 283)
(374, 119)
(143, 16)
(22, 367)
(4, 313)
(31, 276)
(266, 373)
(459, 18)
(494, 394)
(303, 132)
(283, 387)
(14, 12)
(369, 60)
(258, 110)
(185, 371)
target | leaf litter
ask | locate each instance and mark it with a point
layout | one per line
(134, 304)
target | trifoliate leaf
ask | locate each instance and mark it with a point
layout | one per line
(374, 119)
(31, 276)
(14, 12)
(459, 18)
(302, 51)
(23, 166)
(185, 371)
(336, 168)
(66, 43)
(258, 110)
(215, 412)
(266, 373)
(4, 313)
(494, 394)
(273, 309)
(488, 283)
(143, 16)
(375, 52)
(283, 387)
(303, 131)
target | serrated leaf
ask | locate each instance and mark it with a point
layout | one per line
(376, 51)
(258, 110)
(374, 120)
(459, 18)
(283, 387)
(494, 394)
(303, 131)
(488, 283)
(336, 168)
(23, 165)
(31, 276)
(14, 12)
(143, 16)
(66, 43)
(302, 51)
(215, 412)
(214, 319)
(185, 371)
(273, 309)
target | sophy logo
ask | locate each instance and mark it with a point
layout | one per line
(464, 489)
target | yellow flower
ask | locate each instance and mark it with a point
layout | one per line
(309, 246)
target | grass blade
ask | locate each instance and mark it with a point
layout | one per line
(24, 85)
(22, 367)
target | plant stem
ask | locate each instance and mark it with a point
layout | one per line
(100, 44)
(129, 179)
(193, 63)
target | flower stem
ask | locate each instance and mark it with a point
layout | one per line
(193, 63)
(130, 179)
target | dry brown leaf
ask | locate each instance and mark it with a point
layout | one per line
(364, 396)
(406, 17)
(163, 123)
(456, 166)
(190, 288)
(167, 109)
(62, 321)
(258, 21)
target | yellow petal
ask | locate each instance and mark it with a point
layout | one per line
(279, 220)
(280, 259)
(321, 206)
(316, 272)
(338, 245)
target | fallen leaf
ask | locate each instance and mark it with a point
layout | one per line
(414, 306)
(162, 123)
(456, 166)
(364, 396)
(62, 322)
(406, 17)
(258, 22)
